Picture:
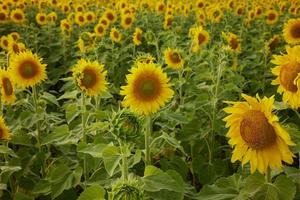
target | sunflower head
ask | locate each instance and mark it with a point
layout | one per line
(129, 190)
(273, 43)
(200, 38)
(89, 17)
(80, 19)
(147, 89)
(144, 59)
(288, 73)
(233, 42)
(271, 17)
(110, 15)
(4, 131)
(127, 20)
(90, 77)
(256, 134)
(41, 19)
(17, 16)
(27, 69)
(291, 31)
(115, 35)
(168, 21)
(99, 30)
(7, 87)
(173, 58)
(4, 17)
(137, 37)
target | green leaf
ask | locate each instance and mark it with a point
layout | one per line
(50, 98)
(223, 189)
(72, 112)
(69, 95)
(94, 192)
(21, 196)
(59, 133)
(94, 150)
(156, 180)
(7, 150)
(111, 157)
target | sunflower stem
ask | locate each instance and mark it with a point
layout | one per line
(148, 128)
(83, 127)
(268, 175)
(38, 125)
(123, 147)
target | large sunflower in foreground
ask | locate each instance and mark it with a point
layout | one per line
(4, 131)
(90, 77)
(147, 89)
(288, 74)
(7, 87)
(256, 134)
(27, 69)
(291, 31)
(173, 58)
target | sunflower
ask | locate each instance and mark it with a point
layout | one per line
(4, 42)
(173, 58)
(147, 89)
(41, 19)
(4, 131)
(27, 69)
(89, 17)
(52, 17)
(200, 38)
(65, 27)
(7, 87)
(4, 17)
(17, 16)
(86, 42)
(80, 19)
(258, 11)
(272, 43)
(288, 73)
(104, 21)
(271, 17)
(15, 36)
(168, 21)
(115, 35)
(291, 31)
(90, 77)
(127, 20)
(144, 59)
(137, 36)
(160, 7)
(99, 30)
(233, 41)
(110, 15)
(15, 47)
(257, 135)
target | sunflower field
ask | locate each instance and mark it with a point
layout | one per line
(149, 99)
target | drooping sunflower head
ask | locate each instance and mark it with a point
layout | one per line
(271, 17)
(115, 35)
(7, 87)
(137, 37)
(256, 134)
(41, 19)
(272, 44)
(291, 31)
(147, 89)
(27, 69)
(200, 38)
(288, 73)
(17, 16)
(90, 77)
(129, 190)
(233, 42)
(173, 58)
(4, 130)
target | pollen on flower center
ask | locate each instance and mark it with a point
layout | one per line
(28, 69)
(256, 131)
(89, 78)
(288, 74)
(7, 86)
(295, 31)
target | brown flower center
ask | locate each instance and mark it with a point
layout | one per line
(240, 11)
(1, 133)
(89, 78)
(16, 48)
(42, 18)
(81, 18)
(271, 16)
(7, 86)
(288, 74)
(169, 21)
(274, 43)
(256, 131)
(295, 30)
(18, 16)
(110, 16)
(139, 37)
(116, 34)
(161, 7)
(147, 87)
(128, 20)
(175, 57)
(100, 29)
(28, 69)
(234, 44)
(89, 17)
(201, 38)
(2, 16)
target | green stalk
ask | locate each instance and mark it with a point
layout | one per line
(83, 128)
(268, 175)
(148, 127)
(124, 162)
(38, 125)
(298, 115)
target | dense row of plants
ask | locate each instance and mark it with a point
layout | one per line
(149, 99)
